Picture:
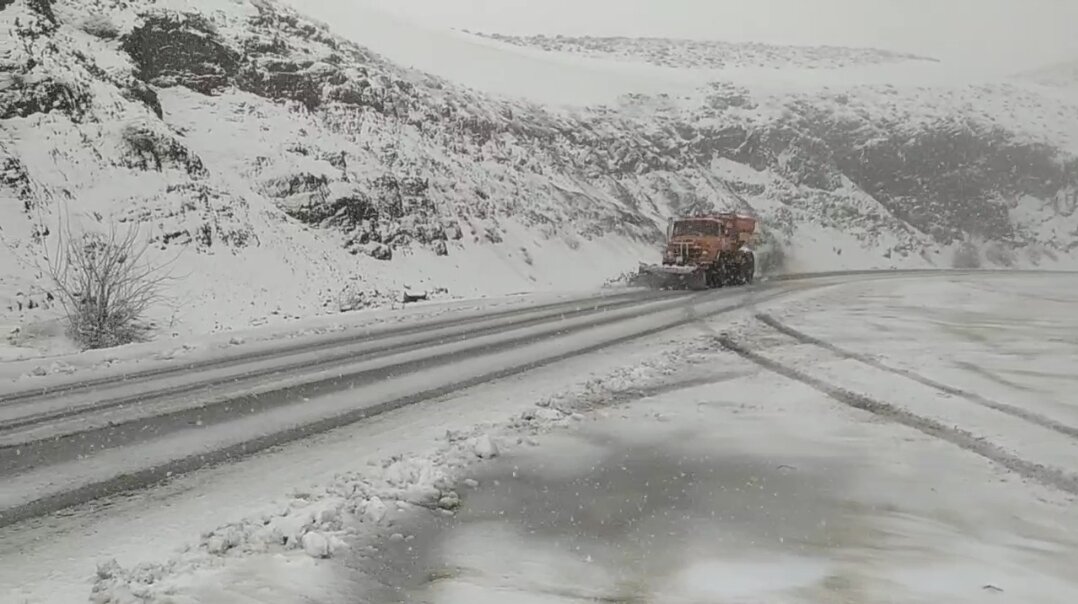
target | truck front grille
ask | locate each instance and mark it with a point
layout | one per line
(684, 253)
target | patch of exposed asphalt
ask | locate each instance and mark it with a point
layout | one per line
(637, 512)
(1046, 475)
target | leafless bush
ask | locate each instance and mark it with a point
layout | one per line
(1000, 255)
(106, 284)
(967, 256)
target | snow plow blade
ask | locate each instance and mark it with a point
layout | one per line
(657, 276)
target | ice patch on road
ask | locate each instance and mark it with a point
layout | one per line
(539, 566)
(562, 457)
(724, 580)
(462, 592)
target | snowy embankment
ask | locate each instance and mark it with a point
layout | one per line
(680, 390)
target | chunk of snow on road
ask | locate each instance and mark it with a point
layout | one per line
(450, 502)
(737, 580)
(316, 545)
(375, 510)
(542, 414)
(221, 542)
(485, 447)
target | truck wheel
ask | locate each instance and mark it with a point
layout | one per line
(730, 269)
(748, 267)
(724, 273)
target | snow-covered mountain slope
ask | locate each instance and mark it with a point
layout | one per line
(289, 170)
(1062, 75)
(707, 54)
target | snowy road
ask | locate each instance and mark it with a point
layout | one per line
(801, 425)
(85, 440)
(900, 441)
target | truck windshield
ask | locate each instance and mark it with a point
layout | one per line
(696, 228)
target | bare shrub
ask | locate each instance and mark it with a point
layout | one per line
(106, 284)
(1000, 255)
(966, 256)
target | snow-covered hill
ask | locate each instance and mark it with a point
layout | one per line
(288, 170)
(707, 54)
(1063, 75)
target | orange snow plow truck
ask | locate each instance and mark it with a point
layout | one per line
(702, 252)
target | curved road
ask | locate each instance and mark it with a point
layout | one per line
(86, 440)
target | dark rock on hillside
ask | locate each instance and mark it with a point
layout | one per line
(13, 177)
(348, 212)
(184, 49)
(951, 179)
(304, 82)
(43, 8)
(30, 93)
(136, 90)
(27, 86)
(389, 211)
(171, 49)
(151, 150)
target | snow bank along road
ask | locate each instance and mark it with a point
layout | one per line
(87, 439)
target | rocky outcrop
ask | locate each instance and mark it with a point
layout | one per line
(148, 149)
(181, 49)
(27, 94)
(13, 178)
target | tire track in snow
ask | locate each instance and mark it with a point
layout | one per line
(1007, 408)
(631, 395)
(337, 352)
(283, 348)
(85, 440)
(1046, 475)
(151, 465)
(146, 472)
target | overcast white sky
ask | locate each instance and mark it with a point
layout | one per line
(1016, 34)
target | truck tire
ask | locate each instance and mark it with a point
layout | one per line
(748, 268)
(726, 271)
